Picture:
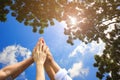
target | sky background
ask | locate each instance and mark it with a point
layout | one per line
(17, 42)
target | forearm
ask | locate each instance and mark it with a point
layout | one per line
(55, 66)
(61, 74)
(50, 61)
(25, 64)
(49, 71)
(40, 72)
(16, 69)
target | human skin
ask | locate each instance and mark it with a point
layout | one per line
(39, 57)
(15, 69)
(51, 66)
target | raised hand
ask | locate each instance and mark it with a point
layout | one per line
(39, 54)
(49, 57)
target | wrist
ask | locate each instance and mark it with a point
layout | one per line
(39, 63)
(50, 59)
(31, 58)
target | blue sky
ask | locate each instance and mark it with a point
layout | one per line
(17, 42)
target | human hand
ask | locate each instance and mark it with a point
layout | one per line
(49, 57)
(39, 54)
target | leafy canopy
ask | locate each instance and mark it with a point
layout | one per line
(93, 17)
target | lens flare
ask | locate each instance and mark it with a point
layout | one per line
(73, 20)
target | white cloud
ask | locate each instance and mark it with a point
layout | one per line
(78, 70)
(10, 56)
(87, 51)
(93, 47)
(97, 48)
(79, 49)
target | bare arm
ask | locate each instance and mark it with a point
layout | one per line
(49, 69)
(53, 70)
(39, 57)
(50, 65)
(40, 72)
(15, 69)
(59, 74)
(54, 65)
(50, 61)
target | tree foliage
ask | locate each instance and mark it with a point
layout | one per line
(3, 10)
(109, 62)
(93, 18)
(36, 13)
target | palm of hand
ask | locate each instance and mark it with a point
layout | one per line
(39, 55)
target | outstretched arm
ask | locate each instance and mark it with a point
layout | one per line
(15, 69)
(53, 63)
(39, 57)
(49, 69)
(55, 72)
(50, 65)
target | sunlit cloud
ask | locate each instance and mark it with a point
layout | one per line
(80, 53)
(93, 47)
(78, 70)
(79, 49)
(10, 55)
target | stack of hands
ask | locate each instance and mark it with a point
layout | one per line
(42, 57)
(41, 52)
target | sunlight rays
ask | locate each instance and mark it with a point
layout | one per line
(73, 20)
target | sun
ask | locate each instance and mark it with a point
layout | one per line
(73, 20)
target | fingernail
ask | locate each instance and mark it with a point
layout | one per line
(42, 41)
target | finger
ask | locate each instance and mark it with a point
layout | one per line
(41, 44)
(38, 47)
(44, 48)
(38, 43)
(36, 54)
(41, 39)
(38, 50)
(45, 56)
(33, 51)
(47, 50)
